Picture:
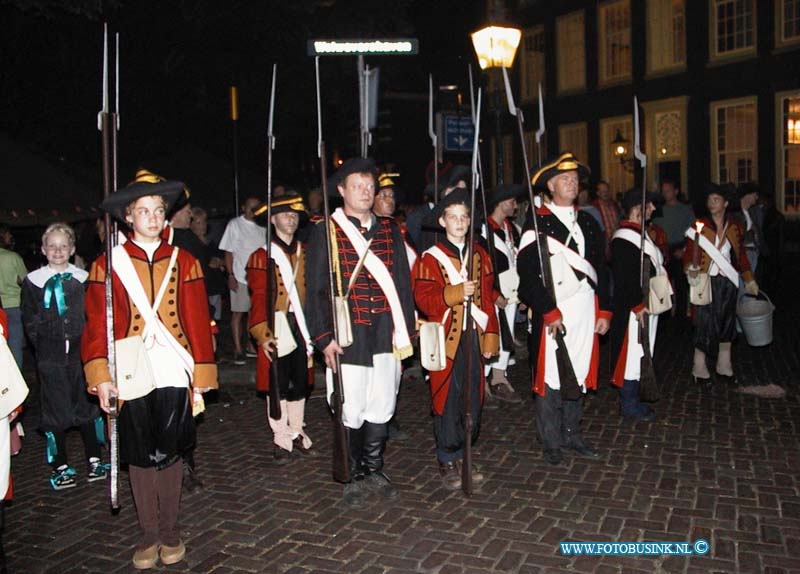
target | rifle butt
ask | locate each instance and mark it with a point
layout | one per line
(341, 447)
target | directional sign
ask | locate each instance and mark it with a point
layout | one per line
(459, 133)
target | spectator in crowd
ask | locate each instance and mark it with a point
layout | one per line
(676, 217)
(585, 203)
(751, 218)
(213, 261)
(12, 272)
(609, 212)
(242, 236)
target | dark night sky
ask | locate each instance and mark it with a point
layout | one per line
(178, 59)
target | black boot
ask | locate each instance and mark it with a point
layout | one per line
(571, 432)
(375, 436)
(354, 493)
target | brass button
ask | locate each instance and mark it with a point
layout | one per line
(171, 301)
(174, 325)
(171, 291)
(172, 313)
(172, 280)
(136, 327)
(180, 335)
(137, 316)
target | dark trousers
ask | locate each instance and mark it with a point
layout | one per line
(91, 446)
(679, 285)
(558, 421)
(157, 494)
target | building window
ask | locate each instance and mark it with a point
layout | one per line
(734, 153)
(666, 34)
(733, 27)
(532, 67)
(573, 138)
(788, 199)
(535, 152)
(614, 39)
(618, 174)
(787, 29)
(571, 52)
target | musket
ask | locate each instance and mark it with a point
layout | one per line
(274, 395)
(506, 330)
(341, 463)
(648, 390)
(469, 328)
(108, 124)
(434, 142)
(570, 389)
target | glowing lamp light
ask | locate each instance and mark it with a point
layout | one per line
(793, 131)
(663, 151)
(620, 145)
(496, 46)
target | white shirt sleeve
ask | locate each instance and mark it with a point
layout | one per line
(230, 237)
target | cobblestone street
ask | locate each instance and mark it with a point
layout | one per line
(716, 465)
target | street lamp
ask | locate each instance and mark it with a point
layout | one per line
(620, 148)
(495, 47)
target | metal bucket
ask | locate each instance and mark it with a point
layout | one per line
(755, 317)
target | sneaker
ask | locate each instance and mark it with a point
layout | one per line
(63, 477)
(380, 483)
(97, 470)
(238, 359)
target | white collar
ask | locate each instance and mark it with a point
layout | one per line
(41, 275)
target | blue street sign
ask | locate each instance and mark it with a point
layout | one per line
(459, 133)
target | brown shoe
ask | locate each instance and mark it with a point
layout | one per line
(451, 476)
(297, 444)
(145, 558)
(502, 390)
(281, 456)
(477, 475)
(173, 554)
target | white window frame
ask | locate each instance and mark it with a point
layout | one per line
(780, 156)
(604, 79)
(564, 48)
(666, 34)
(746, 51)
(780, 41)
(714, 107)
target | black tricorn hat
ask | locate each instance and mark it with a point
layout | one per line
(726, 190)
(291, 202)
(458, 195)
(454, 175)
(351, 166)
(564, 163)
(145, 184)
(633, 197)
(747, 188)
(502, 192)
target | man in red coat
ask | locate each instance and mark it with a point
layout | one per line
(294, 353)
(441, 289)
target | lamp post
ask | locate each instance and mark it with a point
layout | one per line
(495, 47)
(619, 146)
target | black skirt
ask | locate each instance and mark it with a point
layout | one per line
(156, 429)
(65, 402)
(715, 323)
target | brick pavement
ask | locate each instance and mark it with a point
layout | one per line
(716, 465)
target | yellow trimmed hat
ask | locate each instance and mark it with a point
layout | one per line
(290, 203)
(564, 163)
(145, 184)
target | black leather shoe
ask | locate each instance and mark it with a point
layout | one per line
(354, 494)
(380, 483)
(584, 450)
(553, 456)
(727, 379)
(281, 456)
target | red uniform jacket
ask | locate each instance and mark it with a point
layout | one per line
(183, 310)
(257, 321)
(434, 295)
